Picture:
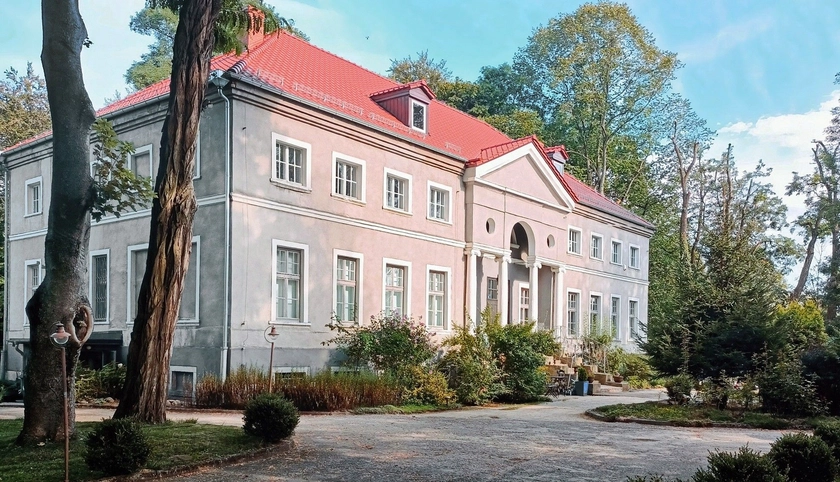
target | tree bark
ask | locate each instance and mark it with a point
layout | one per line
(61, 298)
(173, 210)
(813, 235)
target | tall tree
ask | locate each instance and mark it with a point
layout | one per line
(599, 74)
(422, 68)
(24, 108)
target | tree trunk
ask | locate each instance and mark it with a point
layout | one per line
(813, 235)
(170, 237)
(832, 286)
(61, 298)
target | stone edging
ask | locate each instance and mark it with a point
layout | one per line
(592, 413)
(283, 446)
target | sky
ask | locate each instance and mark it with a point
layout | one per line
(760, 72)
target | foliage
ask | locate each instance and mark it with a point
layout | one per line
(521, 352)
(238, 388)
(106, 382)
(422, 68)
(270, 417)
(679, 388)
(822, 365)
(582, 376)
(697, 415)
(716, 392)
(116, 186)
(390, 342)
(803, 458)
(782, 387)
(425, 386)
(829, 432)
(24, 111)
(117, 447)
(650, 478)
(470, 367)
(745, 465)
(800, 324)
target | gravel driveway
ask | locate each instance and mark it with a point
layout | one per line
(546, 442)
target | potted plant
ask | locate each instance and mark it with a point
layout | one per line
(581, 385)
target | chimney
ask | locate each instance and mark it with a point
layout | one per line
(558, 156)
(256, 29)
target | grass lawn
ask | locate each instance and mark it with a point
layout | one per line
(692, 415)
(173, 444)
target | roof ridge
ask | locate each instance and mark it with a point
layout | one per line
(479, 119)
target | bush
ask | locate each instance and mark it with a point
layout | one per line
(717, 391)
(521, 355)
(11, 389)
(427, 387)
(822, 365)
(106, 382)
(341, 391)
(117, 447)
(803, 457)
(743, 466)
(679, 388)
(783, 388)
(470, 368)
(829, 432)
(390, 342)
(270, 417)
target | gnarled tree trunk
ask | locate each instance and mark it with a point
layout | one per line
(61, 298)
(170, 238)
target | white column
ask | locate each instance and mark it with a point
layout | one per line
(558, 302)
(533, 286)
(504, 296)
(473, 287)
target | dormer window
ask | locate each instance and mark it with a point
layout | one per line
(418, 116)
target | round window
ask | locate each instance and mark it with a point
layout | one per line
(490, 225)
(550, 241)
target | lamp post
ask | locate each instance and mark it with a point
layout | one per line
(60, 339)
(271, 335)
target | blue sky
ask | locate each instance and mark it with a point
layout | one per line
(761, 72)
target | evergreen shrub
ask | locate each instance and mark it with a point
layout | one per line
(829, 432)
(117, 447)
(803, 458)
(679, 388)
(745, 465)
(521, 354)
(270, 417)
(469, 366)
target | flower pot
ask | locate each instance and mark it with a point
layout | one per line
(581, 388)
(618, 378)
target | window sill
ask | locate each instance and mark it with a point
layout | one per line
(574, 254)
(290, 323)
(101, 323)
(397, 211)
(29, 215)
(635, 268)
(290, 186)
(615, 264)
(597, 259)
(439, 221)
(348, 199)
(186, 323)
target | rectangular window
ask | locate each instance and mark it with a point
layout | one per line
(181, 382)
(287, 283)
(34, 193)
(141, 161)
(31, 282)
(633, 309)
(634, 257)
(188, 312)
(615, 316)
(290, 160)
(596, 247)
(492, 289)
(437, 299)
(616, 252)
(594, 314)
(574, 241)
(439, 203)
(197, 157)
(395, 289)
(137, 267)
(396, 193)
(572, 310)
(346, 289)
(524, 304)
(99, 287)
(347, 179)
(418, 116)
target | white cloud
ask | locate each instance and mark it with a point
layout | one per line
(736, 128)
(730, 36)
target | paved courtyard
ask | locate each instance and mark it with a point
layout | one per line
(547, 442)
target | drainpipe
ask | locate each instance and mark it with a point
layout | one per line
(217, 79)
(4, 350)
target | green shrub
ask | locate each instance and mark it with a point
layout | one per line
(469, 366)
(427, 387)
(11, 389)
(803, 458)
(117, 447)
(650, 478)
(521, 355)
(341, 391)
(822, 365)
(829, 432)
(679, 388)
(783, 388)
(745, 465)
(270, 417)
(105, 382)
(390, 342)
(716, 392)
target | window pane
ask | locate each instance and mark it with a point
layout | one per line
(187, 310)
(100, 288)
(418, 116)
(138, 269)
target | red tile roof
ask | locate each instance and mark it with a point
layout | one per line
(300, 69)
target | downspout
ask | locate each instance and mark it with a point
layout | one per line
(217, 79)
(4, 351)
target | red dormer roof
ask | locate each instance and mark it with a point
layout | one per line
(421, 84)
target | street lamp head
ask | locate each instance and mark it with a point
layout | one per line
(60, 337)
(271, 334)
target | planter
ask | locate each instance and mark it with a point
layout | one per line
(618, 378)
(581, 388)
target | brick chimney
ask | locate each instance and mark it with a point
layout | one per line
(256, 31)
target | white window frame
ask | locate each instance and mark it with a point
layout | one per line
(633, 328)
(425, 115)
(360, 263)
(615, 318)
(303, 296)
(572, 229)
(447, 296)
(197, 170)
(278, 370)
(431, 185)
(29, 183)
(194, 257)
(306, 164)
(638, 263)
(361, 185)
(183, 369)
(590, 313)
(129, 304)
(147, 149)
(520, 287)
(408, 191)
(26, 283)
(591, 245)
(578, 312)
(494, 291)
(91, 274)
(406, 282)
(620, 244)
